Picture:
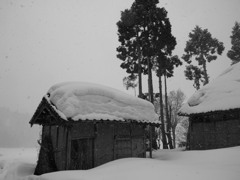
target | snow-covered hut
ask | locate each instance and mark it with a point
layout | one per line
(86, 125)
(214, 112)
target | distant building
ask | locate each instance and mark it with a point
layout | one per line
(86, 125)
(214, 112)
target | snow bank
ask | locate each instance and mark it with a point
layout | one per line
(85, 101)
(223, 93)
(220, 164)
(17, 163)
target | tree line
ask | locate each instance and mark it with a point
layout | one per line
(146, 46)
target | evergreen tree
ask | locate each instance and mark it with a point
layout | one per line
(163, 44)
(145, 35)
(234, 53)
(129, 51)
(134, 31)
(195, 74)
(168, 72)
(204, 48)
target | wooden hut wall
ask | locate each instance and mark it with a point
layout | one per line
(43, 158)
(215, 131)
(60, 142)
(104, 143)
(50, 157)
(80, 153)
(84, 145)
(122, 141)
(138, 141)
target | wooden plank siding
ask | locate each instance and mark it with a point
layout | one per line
(122, 141)
(103, 143)
(110, 140)
(87, 144)
(216, 131)
(138, 141)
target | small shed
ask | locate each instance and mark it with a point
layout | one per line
(214, 112)
(85, 125)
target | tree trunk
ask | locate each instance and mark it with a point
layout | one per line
(164, 140)
(150, 84)
(139, 73)
(174, 136)
(151, 99)
(167, 116)
(205, 73)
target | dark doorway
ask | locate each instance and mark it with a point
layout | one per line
(82, 154)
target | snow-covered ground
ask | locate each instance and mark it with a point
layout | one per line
(220, 164)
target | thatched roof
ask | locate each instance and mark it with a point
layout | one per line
(221, 94)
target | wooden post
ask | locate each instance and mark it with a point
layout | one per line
(150, 140)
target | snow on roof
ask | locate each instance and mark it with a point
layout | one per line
(223, 93)
(86, 101)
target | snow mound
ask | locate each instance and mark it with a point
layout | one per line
(223, 93)
(86, 101)
(17, 163)
(220, 164)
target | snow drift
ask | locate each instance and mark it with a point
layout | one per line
(223, 93)
(86, 101)
(220, 164)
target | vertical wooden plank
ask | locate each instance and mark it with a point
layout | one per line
(61, 150)
(49, 131)
(68, 148)
(122, 140)
(57, 136)
(63, 143)
(144, 142)
(150, 140)
(81, 154)
(138, 141)
(103, 151)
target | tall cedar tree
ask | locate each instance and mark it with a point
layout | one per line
(134, 31)
(134, 34)
(204, 48)
(129, 51)
(163, 44)
(167, 65)
(172, 61)
(234, 53)
(145, 34)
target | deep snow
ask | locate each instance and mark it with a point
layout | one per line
(220, 164)
(87, 101)
(223, 93)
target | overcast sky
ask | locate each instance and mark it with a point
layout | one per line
(46, 42)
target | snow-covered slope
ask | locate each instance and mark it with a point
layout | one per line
(220, 164)
(86, 101)
(223, 93)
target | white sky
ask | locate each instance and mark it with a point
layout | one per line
(46, 42)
